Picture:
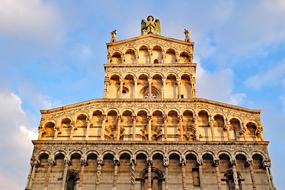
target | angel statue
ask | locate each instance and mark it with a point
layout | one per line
(150, 26)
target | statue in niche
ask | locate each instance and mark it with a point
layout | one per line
(110, 131)
(189, 132)
(231, 181)
(113, 36)
(187, 35)
(144, 133)
(72, 178)
(156, 132)
(150, 26)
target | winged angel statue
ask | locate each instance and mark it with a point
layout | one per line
(150, 26)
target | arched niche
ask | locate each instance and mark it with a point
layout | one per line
(141, 124)
(97, 118)
(49, 129)
(130, 56)
(170, 57)
(171, 86)
(157, 55)
(185, 86)
(184, 58)
(203, 119)
(111, 125)
(142, 85)
(116, 58)
(114, 86)
(128, 90)
(157, 122)
(81, 121)
(235, 129)
(143, 55)
(157, 84)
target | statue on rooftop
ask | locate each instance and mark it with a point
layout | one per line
(113, 36)
(187, 35)
(150, 26)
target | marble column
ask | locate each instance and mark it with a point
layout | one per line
(134, 127)
(181, 128)
(64, 175)
(87, 129)
(149, 163)
(55, 133)
(211, 120)
(115, 179)
(135, 88)
(163, 88)
(149, 87)
(99, 171)
(81, 178)
(121, 89)
(118, 128)
(216, 165)
(267, 165)
(149, 128)
(200, 165)
(166, 164)
(31, 175)
(249, 164)
(165, 128)
(133, 174)
(103, 128)
(183, 164)
(50, 164)
(235, 175)
(179, 88)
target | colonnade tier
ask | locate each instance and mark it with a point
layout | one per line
(150, 55)
(160, 86)
(256, 158)
(158, 126)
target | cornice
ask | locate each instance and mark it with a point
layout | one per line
(151, 65)
(160, 101)
(108, 142)
(150, 36)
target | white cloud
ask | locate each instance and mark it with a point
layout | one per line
(218, 86)
(273, 76)
(16, 146)
(36, 19)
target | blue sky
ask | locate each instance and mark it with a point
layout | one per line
(52, 53)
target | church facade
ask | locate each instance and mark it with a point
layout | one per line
(150, 131)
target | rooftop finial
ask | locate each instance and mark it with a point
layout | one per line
(187, 35)
(113, 36)
(150, 26)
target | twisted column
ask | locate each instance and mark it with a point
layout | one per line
(133, 172)
(99, 171)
